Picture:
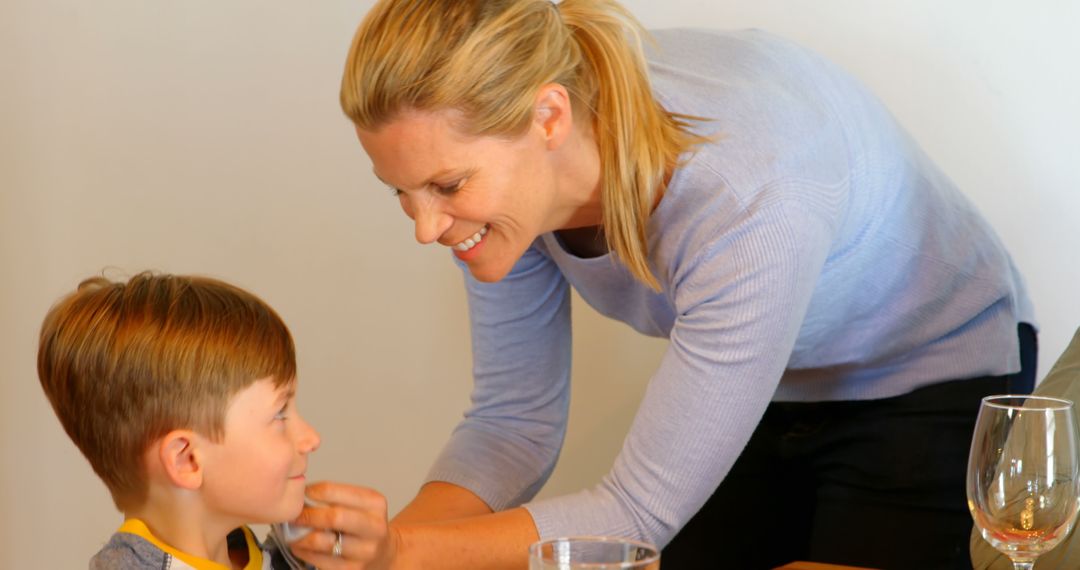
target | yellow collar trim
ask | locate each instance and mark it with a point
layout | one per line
(139, 528)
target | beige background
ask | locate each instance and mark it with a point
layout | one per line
(204, 136)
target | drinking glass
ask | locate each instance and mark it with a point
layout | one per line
(281, 534)
(1023, 483)
(593, 553)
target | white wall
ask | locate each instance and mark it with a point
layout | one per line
(205, 137)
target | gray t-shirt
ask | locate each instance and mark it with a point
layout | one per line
(132, 551)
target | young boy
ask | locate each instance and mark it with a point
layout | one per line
(180, 391)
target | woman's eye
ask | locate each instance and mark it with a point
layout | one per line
(394, 191)
(450, 188)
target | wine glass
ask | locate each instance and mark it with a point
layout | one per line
(594, 553)
(1023, 478)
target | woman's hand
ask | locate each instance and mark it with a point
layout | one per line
(359, 514)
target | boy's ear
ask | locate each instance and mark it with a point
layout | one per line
(181, 458)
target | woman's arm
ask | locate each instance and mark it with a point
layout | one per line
(740, 288)
(498, 541)
(439, 501)
(495, 541)
(508, 442)
(496, 459)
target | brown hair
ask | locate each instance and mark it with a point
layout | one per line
(488, 58)
(123, 364)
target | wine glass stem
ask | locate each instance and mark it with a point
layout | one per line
(1023, 565)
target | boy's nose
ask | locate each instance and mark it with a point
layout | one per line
(309, 439)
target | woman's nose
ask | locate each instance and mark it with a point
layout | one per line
(430, 219)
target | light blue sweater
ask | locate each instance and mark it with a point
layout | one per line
(811, 253)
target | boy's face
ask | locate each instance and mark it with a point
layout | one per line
(256, 474)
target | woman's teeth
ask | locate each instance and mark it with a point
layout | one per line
(475, 239)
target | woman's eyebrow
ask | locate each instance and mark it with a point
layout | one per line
(431, 179)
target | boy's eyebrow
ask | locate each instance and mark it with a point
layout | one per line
(285, 395)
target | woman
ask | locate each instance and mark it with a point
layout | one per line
(835, 307)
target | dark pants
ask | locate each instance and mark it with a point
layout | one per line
(877, 483)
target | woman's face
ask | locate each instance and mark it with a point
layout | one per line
(486, 198)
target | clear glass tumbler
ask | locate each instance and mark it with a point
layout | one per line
(593, 553)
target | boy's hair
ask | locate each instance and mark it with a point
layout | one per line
(123, 364)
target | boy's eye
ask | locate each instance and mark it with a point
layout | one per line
(281, 415)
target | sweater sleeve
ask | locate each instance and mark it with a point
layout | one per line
(740, 301)
(509, 440)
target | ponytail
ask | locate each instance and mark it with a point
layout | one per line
(639, 141)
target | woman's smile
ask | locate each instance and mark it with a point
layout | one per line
(471, 246)
(472, 241)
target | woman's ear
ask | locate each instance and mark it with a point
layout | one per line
(181, 458)
(553, 114)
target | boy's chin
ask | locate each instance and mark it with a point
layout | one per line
(294, 510)
(286, 511)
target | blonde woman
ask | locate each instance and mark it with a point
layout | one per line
(835, 307)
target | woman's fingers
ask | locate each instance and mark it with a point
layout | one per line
(344, 494)
(355, 553)
(351, 528)
(357, 521)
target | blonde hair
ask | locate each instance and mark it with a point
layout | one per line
(488, 59)
(123, 364)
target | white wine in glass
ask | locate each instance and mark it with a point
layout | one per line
(1023, 478)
